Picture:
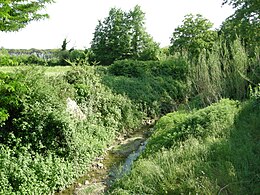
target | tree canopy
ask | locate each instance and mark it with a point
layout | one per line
(16, 14)
(122, 35)
(245, 22)
(193, 35)
(245, 9)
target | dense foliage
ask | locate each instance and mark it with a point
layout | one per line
(17, 14)
(224, 72)
(157, 86)
(195, 150)
(193, 35)
(43, 146)
(122, 36)
(200, 152)
(245, 23)
(177, 68)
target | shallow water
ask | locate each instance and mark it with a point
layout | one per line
(113, 164)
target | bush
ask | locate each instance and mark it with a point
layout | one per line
(191, 153)
(177, 68)
(156, 95)
(43, 147)
(6, 59)
(132, 68)
(179, 126)
(34, 111)
(97, 99)
(23, 172)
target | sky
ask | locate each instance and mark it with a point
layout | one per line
(76, 20)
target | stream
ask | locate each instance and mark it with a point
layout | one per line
(116, 162)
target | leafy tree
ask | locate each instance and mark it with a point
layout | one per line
(249, 9)
(245, 22)
(110, 41)
(193, 35)
(142, 45)
(122, 36)
(16, 14)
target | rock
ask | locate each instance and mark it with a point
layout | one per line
(74, 109)
(86, 182)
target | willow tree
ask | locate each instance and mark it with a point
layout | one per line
(16, 14)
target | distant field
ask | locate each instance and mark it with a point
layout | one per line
(49, 70)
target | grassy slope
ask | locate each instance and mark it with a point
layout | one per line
(210, 151)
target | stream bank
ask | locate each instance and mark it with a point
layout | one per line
(116, 161)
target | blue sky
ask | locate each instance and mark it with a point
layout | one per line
(76, 20)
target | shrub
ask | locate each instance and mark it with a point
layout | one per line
(96, 99)
(176, 68)
(199, 153)
(131, 68)
(43, 147)
(34, 111)
(156, 95)
(179, 126)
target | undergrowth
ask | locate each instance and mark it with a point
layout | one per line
(214, 150)
(43, 147)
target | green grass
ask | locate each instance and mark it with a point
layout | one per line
(214, 150)
(51, 71)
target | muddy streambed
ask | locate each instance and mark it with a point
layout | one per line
(115, 162)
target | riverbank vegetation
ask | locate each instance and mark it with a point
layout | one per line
(207, 151)
(203, 88)
(43, 147)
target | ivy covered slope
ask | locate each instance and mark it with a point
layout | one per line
(214, 150)
(44, 148)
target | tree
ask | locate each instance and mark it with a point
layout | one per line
(245, 22)
(64, 44)
(122, 36)
(16, 14)
(142, 45)
(110, 40)
(245, 9)
(193, 35)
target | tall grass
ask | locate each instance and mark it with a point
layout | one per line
(223, 160)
